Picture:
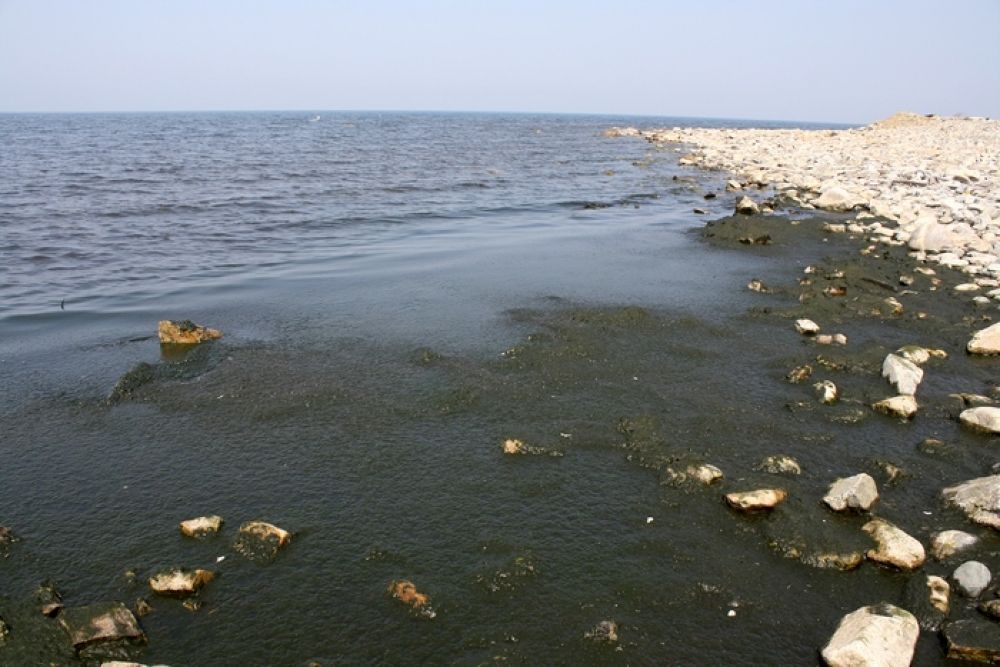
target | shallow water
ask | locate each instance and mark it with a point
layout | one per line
(399, 294)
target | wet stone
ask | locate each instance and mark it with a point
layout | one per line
(927, 598)
(894, 546)
(50, 599)
(7, 538)
(184, 332)
(971, 578)
(756, 501)
(201, 526)
(180, 583)
(780, 465)
(604, 632)
(979, 498)
(975, 639)
(982, 419)
(947, 543)
(799, 374)
(142, 607)
(260, 541)
(904, 407)
(852, 493)
(991, 608)
(100, 623)
(4, 631)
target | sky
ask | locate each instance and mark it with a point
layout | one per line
(850, 61)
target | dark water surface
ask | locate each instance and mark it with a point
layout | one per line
(399, 294)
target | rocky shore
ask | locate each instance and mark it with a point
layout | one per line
(928, 182)
(932, 187)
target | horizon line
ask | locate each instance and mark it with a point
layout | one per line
(436, 111)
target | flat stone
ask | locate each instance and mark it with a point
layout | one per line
(984, 419)
(947, 543)
(180, 583)
(852, 493)
(985, 341)
(975, 639)
(897, 406)
(758, 500)
(184, 332)
(979, 498)
(98, 623)
(881, 635)
(972, 578)
(903, 374)
(201, 526)
(894, 546)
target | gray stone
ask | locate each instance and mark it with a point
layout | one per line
(99, 623)
(747, 206)
(984, 419)
(979, 498)
(880, 635)
(974, 639)
(852, 493)
(972, 578)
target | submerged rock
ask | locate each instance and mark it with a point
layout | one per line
(780, 464)
(604, 632)
(50, 599)
(826, 392)
(705, 473)
(881, 635)
(983, 419)
(184, 332)
(950, 542)
(100, 623)
(985, 341)
(406, 592)
(7, 538)
(904, 407)
(979, 498)
(990, 607)
(972, 578)
(894, 546)
(831, 339)
(852, 493)
(974, 639)
(753, 501)
(799, 374)
(201, 526)
(260, 541)
(904, 374)
(180, 583)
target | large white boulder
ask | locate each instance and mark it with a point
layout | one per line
(880, 635)
(902, 373)
(979, 498)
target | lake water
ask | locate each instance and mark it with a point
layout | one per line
(399, 294)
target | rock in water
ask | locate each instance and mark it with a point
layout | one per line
(904, 374)
(986, 341)
(949, 542)
(605, 632)
(706, 473)
(974, 639)
(979, 498)
(180, 583)
(928, 598)
(185, 332)
(260, 541)
(406, 592)
(806, 327)
(904, 407)
(747, 206)
(780, 465)
(881, 635)
(983, 419)
(753, 501)
(826, 392)
(852, 493)
(99, 623)
(972, 578)
(894, 546)
(201, 526)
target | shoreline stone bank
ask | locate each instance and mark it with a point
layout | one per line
(931, 183)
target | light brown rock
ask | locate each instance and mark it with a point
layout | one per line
(753, 501)
(894, 546)
(979, 498)
(180, 583)
(201, 526)
(881, 635)
(185, 332)
(986, 341)
(904, 407)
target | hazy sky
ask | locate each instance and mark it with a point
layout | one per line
(836, 60)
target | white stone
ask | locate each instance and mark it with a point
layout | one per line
(806, 327)
(979, 498)
(747, 206)
(880, 635)
(898, 406)
(972, 578)
(985, 341)
(983, 418)
(947, 543)
(852, 493)
(760, 499)
(904, 374)
(826, 391)
(836, 198)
